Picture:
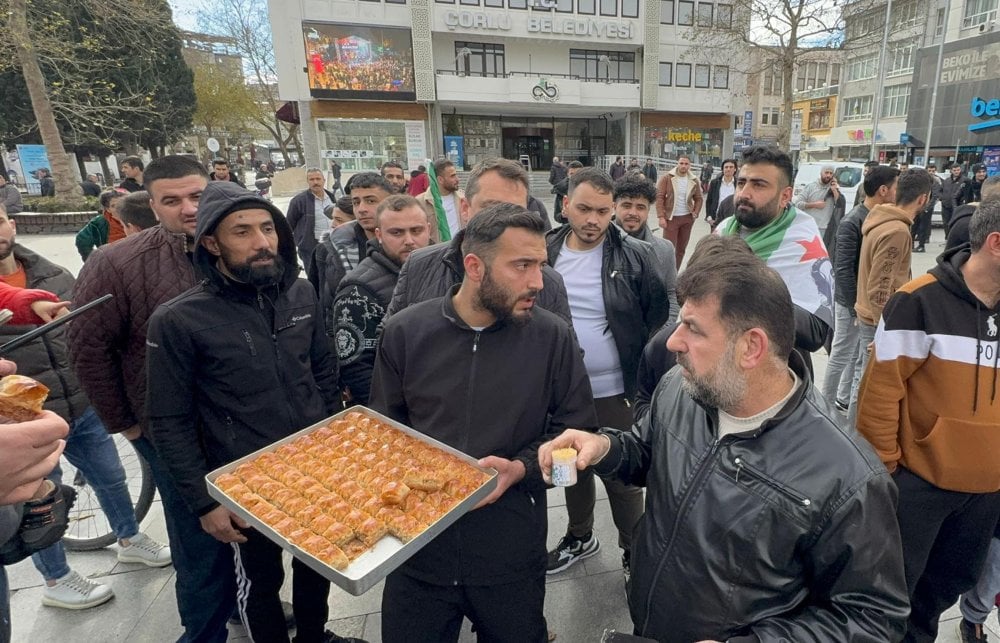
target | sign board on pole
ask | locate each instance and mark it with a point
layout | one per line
(212, 144)
(747, 124)
(795, 139)
(32, 159)
(416, 144)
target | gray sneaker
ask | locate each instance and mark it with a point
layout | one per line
(74, 592)
(143, 549)
(571, 549)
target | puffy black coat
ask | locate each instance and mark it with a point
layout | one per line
(785, 533)
(331, 261)
(635, 299)
(845, 268)
(431, 272)
(46, 358)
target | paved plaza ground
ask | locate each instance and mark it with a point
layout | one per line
(580, 603)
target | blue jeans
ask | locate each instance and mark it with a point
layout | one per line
(866, 335)
(206, 582)
(843, 352)
(977, 603)
(91, 450)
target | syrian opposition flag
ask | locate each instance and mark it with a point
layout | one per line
(793, 246)
(442, 217)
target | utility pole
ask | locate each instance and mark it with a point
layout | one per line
(937, 82)
(877, 98)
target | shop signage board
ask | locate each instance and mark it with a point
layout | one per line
(795, 138)
(747, 124)
(597, 28)
(416, 144)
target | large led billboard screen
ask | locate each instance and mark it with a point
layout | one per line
(359, 62)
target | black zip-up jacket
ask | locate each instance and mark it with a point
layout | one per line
(357, 313)
(232, 368)
(958, 226)
(951, 192)
(431, 272)
(500, 391)
(971, 194)
(330, 262)
(635, 299)
(784, 533)
(845, 268)
(712, 198)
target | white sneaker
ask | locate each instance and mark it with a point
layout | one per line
(74, 592)
(143, 549)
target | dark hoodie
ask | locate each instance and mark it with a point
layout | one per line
(233, 368)
(958, 225)
(929, 399)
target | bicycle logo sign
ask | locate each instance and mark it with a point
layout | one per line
(545, 90)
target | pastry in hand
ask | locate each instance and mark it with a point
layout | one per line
(21, 398)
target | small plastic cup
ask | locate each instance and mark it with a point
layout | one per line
(564, 467)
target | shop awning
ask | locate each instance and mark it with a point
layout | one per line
(289, 113)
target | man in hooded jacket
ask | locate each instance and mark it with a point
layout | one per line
(234, 364)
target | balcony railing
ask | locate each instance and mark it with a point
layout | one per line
(527, 74)
(819, 92)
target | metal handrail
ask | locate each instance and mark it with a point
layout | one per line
(533, 74)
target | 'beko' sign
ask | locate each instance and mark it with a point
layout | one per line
(588, 27)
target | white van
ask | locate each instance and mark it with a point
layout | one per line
(848, 174)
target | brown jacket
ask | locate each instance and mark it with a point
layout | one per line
(108, 344)
(886, 248)
(665, 190)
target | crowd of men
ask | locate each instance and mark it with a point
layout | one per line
(749, 505)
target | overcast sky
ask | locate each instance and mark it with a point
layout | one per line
(184, 13)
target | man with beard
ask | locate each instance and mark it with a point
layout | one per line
(392, 172)
(439, 368)
(451, 199)
(108, 350)
(765, 520)
(432, 272)
(634, 195)
(364, 294)
(787, 239)
(223, 331)
(221, 172)
(617, 300)
(952, 193)
(818, 198)
(973, 187)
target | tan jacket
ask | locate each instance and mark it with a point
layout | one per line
(886, 248)
(427, 200)
(665, 190)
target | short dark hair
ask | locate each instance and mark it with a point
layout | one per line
(368, 180)
(635, 186)
(593, 176)
(393, 164)
(770, 155)
(442, 164)
(878, 176)
(985, 221)
(173, 166)
(506, 168)
(733, 161)
(220, 162)
(108, 196)
(871, 163)
(483, 230)
(714, 244)
(134, 161)
(913, 184)
(574, 165)
(750, 294)
(345, 205)
(396, 203)
(136, 211)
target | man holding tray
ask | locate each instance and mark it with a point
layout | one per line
(485, 371)
(234, 364)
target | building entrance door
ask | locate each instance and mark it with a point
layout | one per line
(535, 143)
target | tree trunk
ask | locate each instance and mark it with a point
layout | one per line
(788, 80)
(20, 36)
(81, 165)
(109, 177)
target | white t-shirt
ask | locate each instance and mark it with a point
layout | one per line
(681, 196)
(450, 203)
(581, 271)
(726, 190)
(321, 223)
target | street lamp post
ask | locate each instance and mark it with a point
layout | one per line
(877, 99)
(937, 82)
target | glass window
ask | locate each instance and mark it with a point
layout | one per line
(666, 74)
(819, 119)
(517, 4)
(724, 16)
(683, 74)
(362, 145)
(774, 115)
(685, 13)
(609, 7)
(564, 6)
(704, 14)
(895, 100)
(395, 1)
(765, 117)
(630, 8)
(900, 59)
(666, 12)
(446, 1)
(480, 59)
(835, 74)
(861, 68)
(721, 77)
(857, 108)
(589, 64)
(701, 75)
(939, 24)
(588, 7)
(474, 3)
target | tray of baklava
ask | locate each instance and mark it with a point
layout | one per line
(353, 496)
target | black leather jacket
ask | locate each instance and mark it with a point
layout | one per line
(431, 272)
(635, 299)
(845, 267)
(785, 533)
